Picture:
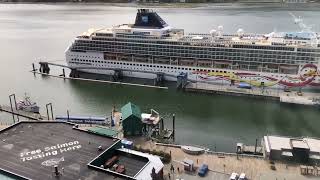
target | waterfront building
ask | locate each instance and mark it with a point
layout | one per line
(305, 149)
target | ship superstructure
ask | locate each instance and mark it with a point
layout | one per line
(151, 46)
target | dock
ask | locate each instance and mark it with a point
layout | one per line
(25, 114)
(306, 98)
(101, 81)
(195, 86)
(252, 150)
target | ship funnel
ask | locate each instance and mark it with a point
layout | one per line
(146, 18)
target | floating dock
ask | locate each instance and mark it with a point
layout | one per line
(83, 119)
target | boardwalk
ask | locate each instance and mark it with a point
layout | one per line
(254, 167)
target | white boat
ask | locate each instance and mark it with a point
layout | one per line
(27, 105)
(150, 47)
(192, 149)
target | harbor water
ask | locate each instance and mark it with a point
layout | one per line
(33, 32)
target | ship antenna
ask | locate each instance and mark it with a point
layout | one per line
(301, 24)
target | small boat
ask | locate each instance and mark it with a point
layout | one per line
(192, 150)
(27, 105)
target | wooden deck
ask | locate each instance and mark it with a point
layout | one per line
(250, 149)
(226, 163)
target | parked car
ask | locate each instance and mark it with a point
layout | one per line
(286, 90)
(203, 170)
(234, 176)
(242, 176)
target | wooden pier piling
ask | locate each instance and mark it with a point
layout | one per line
(173, 127)
(47, 105)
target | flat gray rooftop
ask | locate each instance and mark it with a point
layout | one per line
(31, 149)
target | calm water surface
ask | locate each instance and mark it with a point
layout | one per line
(29, 32)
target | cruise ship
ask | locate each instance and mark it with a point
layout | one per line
(150, 47)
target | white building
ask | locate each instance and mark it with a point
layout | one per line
(293, 149)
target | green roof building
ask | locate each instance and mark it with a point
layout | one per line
(131, 120)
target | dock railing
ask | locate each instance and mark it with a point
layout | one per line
(234, 154)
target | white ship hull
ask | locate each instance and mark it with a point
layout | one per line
(95, 63)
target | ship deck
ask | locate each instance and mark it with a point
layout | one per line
(30, 149)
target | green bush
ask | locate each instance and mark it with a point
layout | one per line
(165, 157)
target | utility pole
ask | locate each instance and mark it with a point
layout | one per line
(173, 127)
(15, 104)
(255, 147)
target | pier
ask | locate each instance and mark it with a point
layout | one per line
(294, 97)
(187, 85)
(101, 81)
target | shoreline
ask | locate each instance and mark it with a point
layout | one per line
(157, 4)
